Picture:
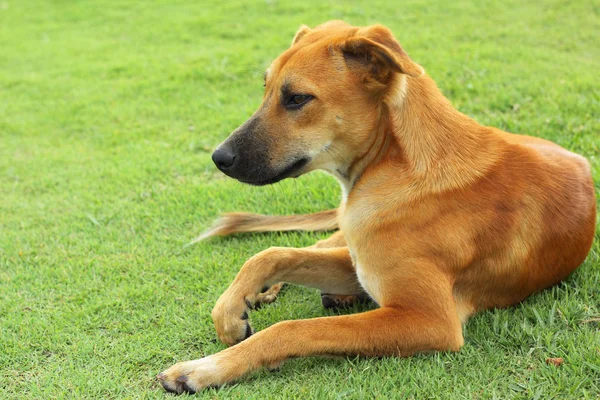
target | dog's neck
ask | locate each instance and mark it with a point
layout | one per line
(350, 171)
(434, 145)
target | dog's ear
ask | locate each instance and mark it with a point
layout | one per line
(376, 52)
(303, 30)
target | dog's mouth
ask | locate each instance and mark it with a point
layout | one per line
(292, 170)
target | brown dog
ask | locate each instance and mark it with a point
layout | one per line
(440, 216)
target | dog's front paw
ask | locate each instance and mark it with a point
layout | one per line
(230, 314)
(192, 376)
(231, 319)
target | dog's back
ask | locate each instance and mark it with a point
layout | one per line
(541, 208)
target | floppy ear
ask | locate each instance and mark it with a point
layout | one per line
(379, 55)
(303, 30)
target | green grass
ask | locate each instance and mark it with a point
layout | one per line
(109, 111)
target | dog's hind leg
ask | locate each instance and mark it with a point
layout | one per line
(327, 269)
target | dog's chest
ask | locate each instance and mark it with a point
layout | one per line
(366, 274)
(356, 231)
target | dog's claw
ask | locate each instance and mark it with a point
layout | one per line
(248, 332)
(187, 389)
(248, 304)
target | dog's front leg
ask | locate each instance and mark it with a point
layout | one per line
(327, 269)
(427, 323)
(269, 294)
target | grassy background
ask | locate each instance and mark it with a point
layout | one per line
(109, 111)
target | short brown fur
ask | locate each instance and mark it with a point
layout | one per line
(440, 218)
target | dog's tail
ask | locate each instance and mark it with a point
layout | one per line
(246, 222)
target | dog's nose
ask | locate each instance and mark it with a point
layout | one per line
(223, 158)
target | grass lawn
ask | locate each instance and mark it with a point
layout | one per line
(109, 111)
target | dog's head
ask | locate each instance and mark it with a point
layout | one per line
(323, 101)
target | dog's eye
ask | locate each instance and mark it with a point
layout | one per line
(297, 100)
